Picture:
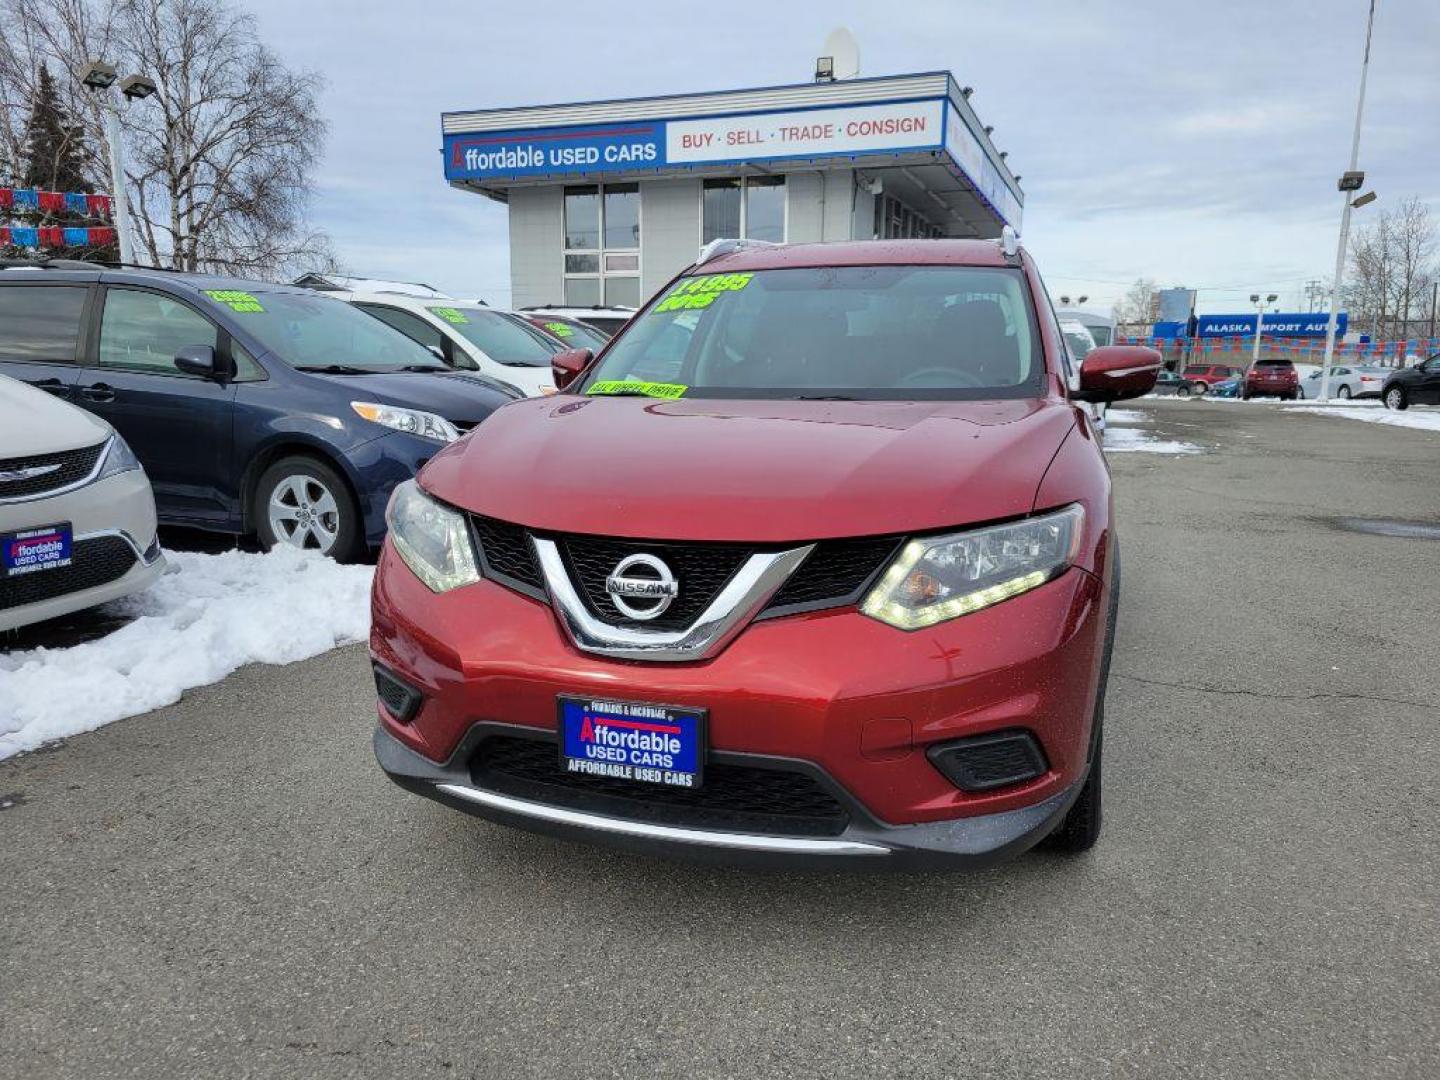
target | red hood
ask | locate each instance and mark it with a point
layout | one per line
(762, 471)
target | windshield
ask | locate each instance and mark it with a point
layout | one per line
(305, 331)
(575, 335)
(504, 339)
(1101, 334)
(891, 332)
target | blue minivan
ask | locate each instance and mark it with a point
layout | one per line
(255, 408)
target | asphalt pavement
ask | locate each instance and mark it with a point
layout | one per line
(229, 887)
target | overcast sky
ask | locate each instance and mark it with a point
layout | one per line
(1194, 143)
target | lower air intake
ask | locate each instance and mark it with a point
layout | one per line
(993, 761)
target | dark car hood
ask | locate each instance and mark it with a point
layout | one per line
(764, 471)
(455, 395)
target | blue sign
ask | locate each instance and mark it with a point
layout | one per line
(653, 744)
(606, 148)
(1276, 324)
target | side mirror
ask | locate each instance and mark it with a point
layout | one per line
(1117, 372)
(201, 360)
(569, 365)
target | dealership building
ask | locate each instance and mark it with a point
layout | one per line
(609, 199)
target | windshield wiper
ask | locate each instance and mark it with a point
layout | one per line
(334, 369)
(825, 397)
(424, 367)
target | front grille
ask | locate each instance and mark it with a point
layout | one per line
(701, 570)
(94, 562)
(775, 801)
(74, 465)
(835, 571)
(507, 551)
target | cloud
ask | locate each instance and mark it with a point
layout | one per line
(1259, 118)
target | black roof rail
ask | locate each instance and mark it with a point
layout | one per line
(49, 264)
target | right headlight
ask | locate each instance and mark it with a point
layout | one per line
(433, 540)
(119, 458)
(936, 578)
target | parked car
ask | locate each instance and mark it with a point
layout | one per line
(608, 320)
(788, 573)
(1167, 384)
(255, 408)
(1270, 376)
(1101, 327)
(1230, 388)
(1418, 385)
(1203, 376)
(1358, 381)
(77, 520)
(572, 333)
(469, 336)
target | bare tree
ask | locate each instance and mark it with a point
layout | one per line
(219, 159)
(1140, 304)
(1392, 271)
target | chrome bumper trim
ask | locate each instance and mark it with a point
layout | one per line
(784, 845)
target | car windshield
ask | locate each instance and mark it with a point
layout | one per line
(1101, 334)
(874, 332)
(309, 331)
(503, 339)
(575, 335)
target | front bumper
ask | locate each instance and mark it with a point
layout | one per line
(974, 841)
(119, 507)
(859, 701)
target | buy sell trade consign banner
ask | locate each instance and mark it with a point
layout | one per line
(652, 145)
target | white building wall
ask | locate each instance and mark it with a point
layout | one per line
(537, 245)
(669, 230)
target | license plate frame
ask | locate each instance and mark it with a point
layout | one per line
(17, 560)
(645, 730)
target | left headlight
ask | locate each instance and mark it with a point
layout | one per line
(433, 540)
(119, 458)
(427, 425)
(936, 578)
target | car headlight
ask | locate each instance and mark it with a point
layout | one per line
(936, 578)
(433, 540)
(119, 458)
(427, 425)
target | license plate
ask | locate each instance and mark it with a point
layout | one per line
(32, 550)
(628, 740)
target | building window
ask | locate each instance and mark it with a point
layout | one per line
(753, 208)
(602, 245)
(894, 220)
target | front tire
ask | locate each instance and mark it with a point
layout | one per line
(1182, 391)
(304, 503)
(1344, 394)
(1395, 399)
(1080, 828)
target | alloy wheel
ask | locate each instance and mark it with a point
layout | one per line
(304, 514)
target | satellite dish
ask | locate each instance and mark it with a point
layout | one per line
(841, 45)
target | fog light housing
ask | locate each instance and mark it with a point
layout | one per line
(401, 700)
(986, 762)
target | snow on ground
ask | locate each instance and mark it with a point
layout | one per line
(1123, 437)
(1420, 419)
(205, 617)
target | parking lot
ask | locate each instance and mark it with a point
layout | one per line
(230, 885)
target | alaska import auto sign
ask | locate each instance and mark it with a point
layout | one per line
(652, 144)
(1277, 324)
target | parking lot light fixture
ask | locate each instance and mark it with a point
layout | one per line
(101, 78)
(1260, 306)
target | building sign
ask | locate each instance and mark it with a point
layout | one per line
(1276, 323)
(962, 145)
(1176, 305)
(604, 148)
(805, 133)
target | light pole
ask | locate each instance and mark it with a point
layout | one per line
(1350, 182)
(100, 78)
(1260, 306)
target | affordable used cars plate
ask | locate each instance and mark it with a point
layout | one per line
(628, 740)
(30, 550)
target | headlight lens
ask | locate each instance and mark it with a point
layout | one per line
(936, 578)
(411, 421)
(433, 540)
(119, 458)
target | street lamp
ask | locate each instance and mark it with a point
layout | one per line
(1350, 182)
(1260, 306)
(101, 78)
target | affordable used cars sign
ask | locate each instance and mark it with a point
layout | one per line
(651, 144)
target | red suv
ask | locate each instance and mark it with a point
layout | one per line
(1203, 377)
(1271, 377)
(816, 561)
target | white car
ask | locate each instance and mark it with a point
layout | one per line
(1079, 341)
(608, 319)
(1352, 381)
(77, 517)
(466, 334)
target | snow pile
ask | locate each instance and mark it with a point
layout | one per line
(1419, 419)
(205, 617)
(1122, 438)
